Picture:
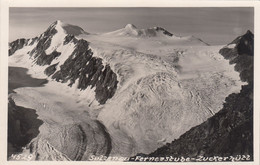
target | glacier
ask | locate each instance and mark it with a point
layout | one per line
(143, 89)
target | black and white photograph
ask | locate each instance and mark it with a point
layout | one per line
(131, 84)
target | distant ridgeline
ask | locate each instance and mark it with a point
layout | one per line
(80, 64)
(228, 135)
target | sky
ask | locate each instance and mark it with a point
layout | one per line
(216, 26)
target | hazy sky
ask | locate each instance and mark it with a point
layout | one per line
(213, 25)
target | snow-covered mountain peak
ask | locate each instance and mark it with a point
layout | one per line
(66, 28)
(58, 22)
(130, 26)
(54, 36)
(132, 31)
(194, 39)
(56, 25)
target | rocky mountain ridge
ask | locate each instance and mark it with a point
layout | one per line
(79, 64)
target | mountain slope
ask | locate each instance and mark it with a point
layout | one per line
(230, 131)
(58, 54)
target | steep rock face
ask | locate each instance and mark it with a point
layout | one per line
(44, 42)
(230, 131)
(245, 43)
(69, 38)
(23, 123)
(50, 69)
(88, 70)
(23, 126)
(240, 52)
(16, 45)
(19, 44)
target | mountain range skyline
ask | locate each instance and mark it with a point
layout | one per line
(215, 26)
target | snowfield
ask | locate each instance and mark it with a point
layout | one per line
(167, 85)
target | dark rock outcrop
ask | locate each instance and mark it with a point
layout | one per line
(50, 69)
(44, 59)
(245, 43)
(23, 126)
(16, 45)
(44, 41)
(89, 70)
(241, 55)
(230, 131)
(69, 38)
(19, 44)
(163, 30)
